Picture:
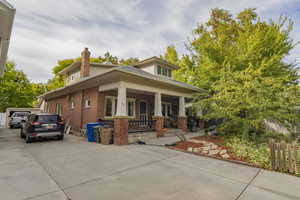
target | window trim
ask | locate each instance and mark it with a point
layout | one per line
(114, 106)
(58, 109)
(87, 105)
(163, 69)
(133, 100)
(171, 109)
(73, 105)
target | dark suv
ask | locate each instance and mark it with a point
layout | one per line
(42, 125)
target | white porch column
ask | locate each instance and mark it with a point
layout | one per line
(121, 103)
(157, 105)
(181, 106)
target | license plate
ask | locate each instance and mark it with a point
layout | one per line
(50, 127)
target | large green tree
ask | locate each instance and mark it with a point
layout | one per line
(241, 62)
(16, 90)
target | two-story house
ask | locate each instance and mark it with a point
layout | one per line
(133, 98)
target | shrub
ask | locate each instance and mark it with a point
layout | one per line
(257, 154)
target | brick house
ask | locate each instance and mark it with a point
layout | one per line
(134, 98)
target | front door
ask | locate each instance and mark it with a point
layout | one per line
(143, 112)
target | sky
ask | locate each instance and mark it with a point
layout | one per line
(47, 31)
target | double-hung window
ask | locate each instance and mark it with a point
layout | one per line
(111, 106)
(131, 107)
(164, 71)
(58, 109)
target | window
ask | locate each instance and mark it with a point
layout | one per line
(58, 109)
(87, 103)
(164, 71)
(72, 104)
(166, 109)
(131, 107)
(111, 106)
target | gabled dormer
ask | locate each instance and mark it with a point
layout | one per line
(157, 66)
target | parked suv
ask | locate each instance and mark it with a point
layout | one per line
(42, 125)
(17, 118)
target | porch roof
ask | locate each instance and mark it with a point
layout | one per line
(7, 13)
(95, 80)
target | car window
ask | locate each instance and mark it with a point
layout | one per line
(47, 118)
(21, 114)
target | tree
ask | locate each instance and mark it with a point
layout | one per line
(240, 62)
(185, 73)
(16, 90)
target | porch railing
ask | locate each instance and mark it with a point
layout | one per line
(140, 126)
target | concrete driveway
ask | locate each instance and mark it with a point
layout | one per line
(79, 170)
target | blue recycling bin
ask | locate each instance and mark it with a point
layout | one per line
(90, 130)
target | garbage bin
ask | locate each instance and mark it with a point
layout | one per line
(106, 135)
(90, 130)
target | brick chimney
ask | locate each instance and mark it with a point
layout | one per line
(85, 63)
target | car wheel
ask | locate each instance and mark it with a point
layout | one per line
(11, 126)
(22, 134)
(61, 137)
(27, 139)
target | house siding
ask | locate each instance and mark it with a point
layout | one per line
(79, 116)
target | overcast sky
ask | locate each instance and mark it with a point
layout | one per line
(46, 31)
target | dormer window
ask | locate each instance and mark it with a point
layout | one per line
(164, 71)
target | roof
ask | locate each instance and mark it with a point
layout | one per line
(78, 63)
(136, 72)
(138, 64)
(7, 13)
(139, 72)
(155, 59)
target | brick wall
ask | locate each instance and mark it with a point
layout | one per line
(80, 115)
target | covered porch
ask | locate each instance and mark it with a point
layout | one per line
(134, 108)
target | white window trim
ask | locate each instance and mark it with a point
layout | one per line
(58, 109)
(86, 104)
(162, 68)
(166, 104)
(114, 111)
(73, 104)
(134, 106)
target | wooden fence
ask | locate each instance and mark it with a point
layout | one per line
(284, 157)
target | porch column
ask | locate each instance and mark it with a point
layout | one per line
(157, 106)
(182, 119)
(121, 104)
(159, 120)
(121, 119)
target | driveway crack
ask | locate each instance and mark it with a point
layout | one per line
(246, 187)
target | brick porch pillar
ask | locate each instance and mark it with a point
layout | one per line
(182, 124)
(159, 125)
(120, 131)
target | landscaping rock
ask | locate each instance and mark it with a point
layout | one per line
(225, 156)
(205, 148)
(213, 152)
(222, 152)
(196, 150)
(214, 146)
(190, 149)
(205, 152)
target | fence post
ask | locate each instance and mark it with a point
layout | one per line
(272, 149)
(283, 158)
(295, 158)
